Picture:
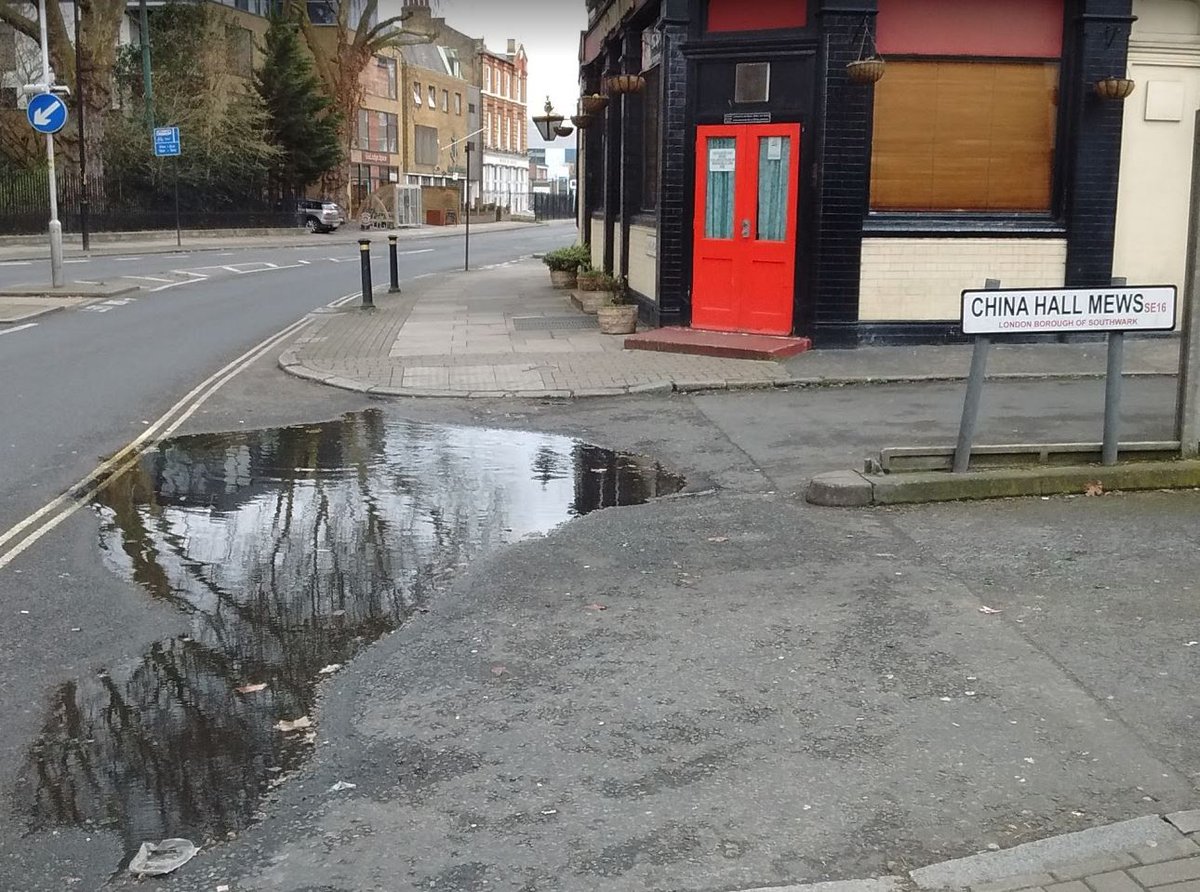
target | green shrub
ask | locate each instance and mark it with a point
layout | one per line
(568, 259)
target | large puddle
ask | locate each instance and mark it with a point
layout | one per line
(290, 550)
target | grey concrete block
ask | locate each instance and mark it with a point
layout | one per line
(1167, 872)
(661, 387)
(880, 884)
(840, 489)
(1015, 883)
(1045, 854)
(1072, 886)
(1118, 881)
(1186, 821)
(1168, 850)
(1091, 866)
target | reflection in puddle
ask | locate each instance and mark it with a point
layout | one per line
(291, 550)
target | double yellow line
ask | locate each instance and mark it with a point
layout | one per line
(20, 537)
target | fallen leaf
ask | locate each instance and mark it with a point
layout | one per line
(595, 607)
(330, 669)
(990, 611)
(1093, 488)
(299, 724)
(250, 688)
(718, 538)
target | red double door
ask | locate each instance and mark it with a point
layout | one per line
(744, 260)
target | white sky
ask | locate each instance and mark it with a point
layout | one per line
(549, 29)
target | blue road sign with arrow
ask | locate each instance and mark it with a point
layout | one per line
(47, 113)
(166, 141)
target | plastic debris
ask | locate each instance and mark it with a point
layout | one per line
(341, 786)
(989, 611)
(155, 859)
(251, 688)
(596, 607)
(299, 724)
(330, 669)
(718, 539)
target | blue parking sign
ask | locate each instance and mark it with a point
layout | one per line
(166, 141)
(47, 113)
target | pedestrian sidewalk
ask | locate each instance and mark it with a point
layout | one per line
(1151, 854)
(503, 331)
(25, 248)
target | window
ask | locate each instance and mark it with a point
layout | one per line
(425, 145)
(651, 137)
(487, 77)
(507, 144)
(507, 85)
(470, 108)
(387, 72)
(364, 130)
(965, 136)
(445, 100)
(417, 93)
(432, 96)
(488, 132)
(388, 134)
(458, 104)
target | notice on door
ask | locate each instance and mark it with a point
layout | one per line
(1048, 311)
(722, 160)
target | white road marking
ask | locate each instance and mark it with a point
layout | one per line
(83, 260)
(126, 258)
(86, 282)
(421, 251)
(16, 328)
(170, 285)
(95, 308)
(146, 278)
(107, 471)
(16, 263)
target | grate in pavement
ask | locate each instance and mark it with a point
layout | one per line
(547, 323)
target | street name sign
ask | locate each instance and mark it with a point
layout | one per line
(47, 113)
(1059, 310)
(166, 142)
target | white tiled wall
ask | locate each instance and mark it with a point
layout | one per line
(915, 279)
(643, 267)
(597, 244)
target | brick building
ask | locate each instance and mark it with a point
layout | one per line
(505, 128)
(754, 186)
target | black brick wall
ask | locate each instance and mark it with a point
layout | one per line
(675, 171)
(842, 174)
(1098, 44)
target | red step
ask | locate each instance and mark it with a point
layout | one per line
(726, 344)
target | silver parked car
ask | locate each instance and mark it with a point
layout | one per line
(320, 216)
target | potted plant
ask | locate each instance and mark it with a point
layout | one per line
(564, 264)
(590, 279)
(619, 317)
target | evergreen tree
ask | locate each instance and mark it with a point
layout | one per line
(302, 123)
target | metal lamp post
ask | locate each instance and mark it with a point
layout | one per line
(549, 123)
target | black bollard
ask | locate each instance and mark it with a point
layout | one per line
(364, 252)
(393, 266)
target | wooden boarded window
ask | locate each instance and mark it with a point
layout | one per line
(965, 136)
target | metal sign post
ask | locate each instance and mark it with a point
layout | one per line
(970, 412)
(56, 248)
(1113, 381)
(1187, 407)
(167, 145)
(467, 248)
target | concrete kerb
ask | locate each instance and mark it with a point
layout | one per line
(851, 489)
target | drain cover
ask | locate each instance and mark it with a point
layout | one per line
(545, 323)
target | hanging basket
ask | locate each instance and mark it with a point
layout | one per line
(563, 131)
(1116, 88)
(617, 84)
(583, 120)
(593, 104)
(866, 71)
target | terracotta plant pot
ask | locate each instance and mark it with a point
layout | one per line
(866, 71)
(562, 278)
(593, 104)
(591, 281)
(620, 319)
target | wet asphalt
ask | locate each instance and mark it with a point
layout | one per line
(721, 689)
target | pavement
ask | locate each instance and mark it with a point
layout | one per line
(20, 304)
(504, 331)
